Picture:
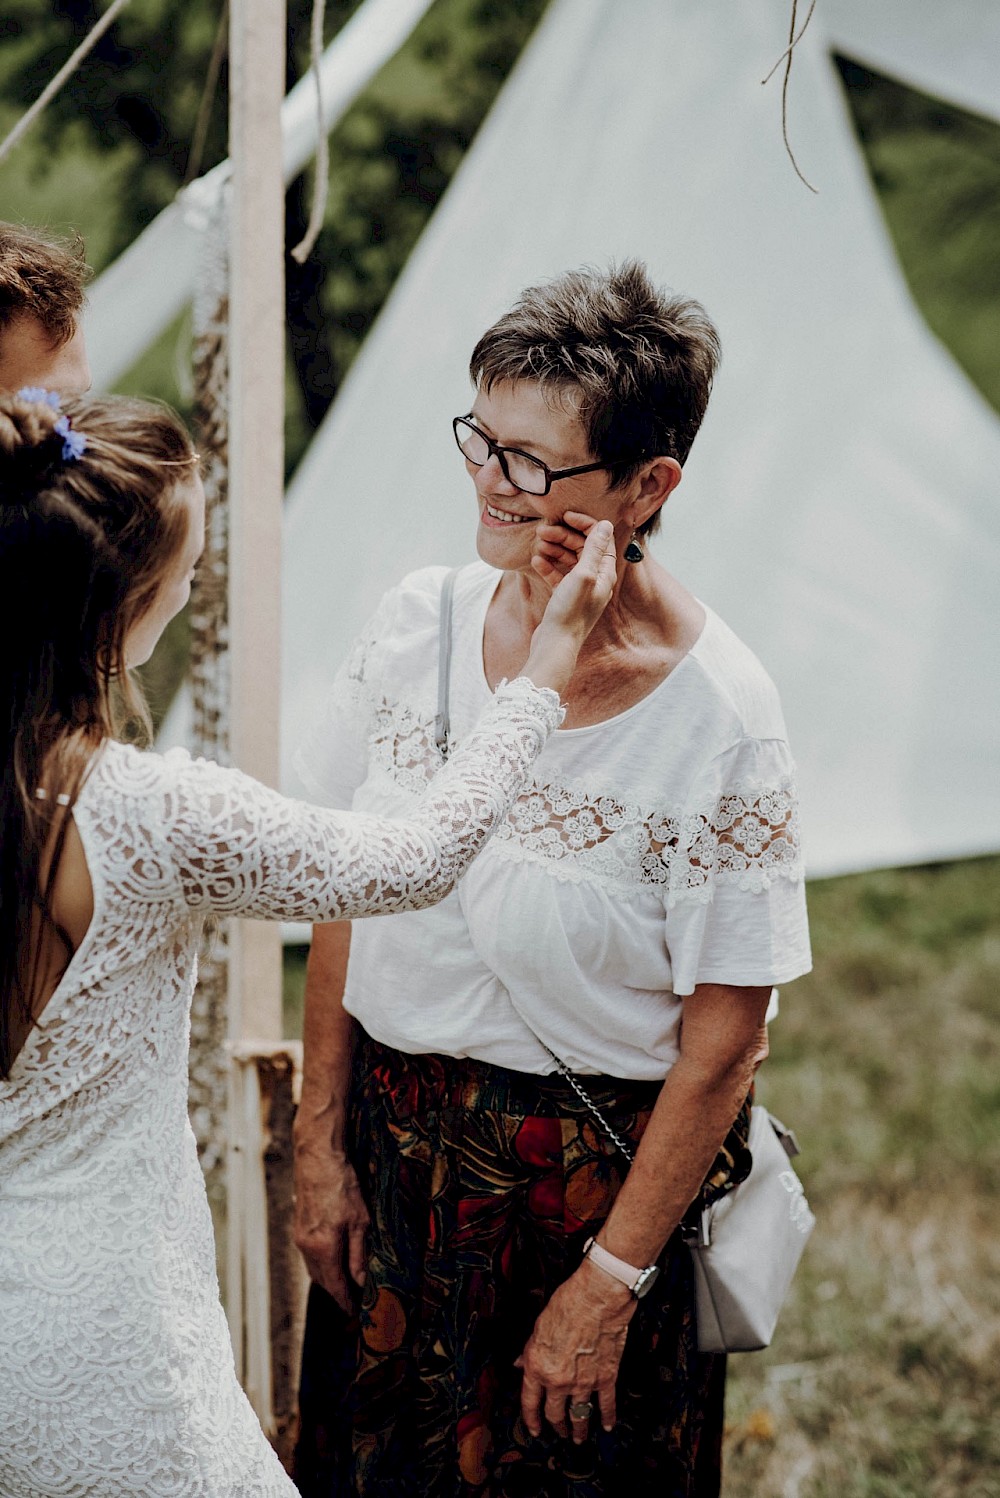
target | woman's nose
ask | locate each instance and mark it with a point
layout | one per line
(491, 479)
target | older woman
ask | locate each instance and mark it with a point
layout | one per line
(526, 1324)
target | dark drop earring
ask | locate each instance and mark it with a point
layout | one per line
(633, 551)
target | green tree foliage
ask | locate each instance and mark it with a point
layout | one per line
(144, 84)
(396, 152)
(937, 172)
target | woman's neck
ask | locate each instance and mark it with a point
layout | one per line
(644, 600)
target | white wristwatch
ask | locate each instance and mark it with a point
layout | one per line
(639, 1281)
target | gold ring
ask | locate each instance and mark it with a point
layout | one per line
(581, 1409)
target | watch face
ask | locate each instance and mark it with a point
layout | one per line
(646, 1281)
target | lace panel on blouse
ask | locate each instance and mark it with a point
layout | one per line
(747, 837)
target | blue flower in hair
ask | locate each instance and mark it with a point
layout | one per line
(40, 396)
(74, 443)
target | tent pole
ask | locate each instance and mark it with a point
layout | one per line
(256, 484)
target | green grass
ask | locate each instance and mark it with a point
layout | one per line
(884, 1378)
(936, 169)
(294, 989)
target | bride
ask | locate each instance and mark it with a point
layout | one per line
(116, 1372)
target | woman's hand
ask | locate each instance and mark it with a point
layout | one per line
(574, 1352)
(331, 1221)
(579, 597)
(558, 546)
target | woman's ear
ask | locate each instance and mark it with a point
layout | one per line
(656, 483)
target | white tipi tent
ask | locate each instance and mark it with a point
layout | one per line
(950, 48)
(839, 508)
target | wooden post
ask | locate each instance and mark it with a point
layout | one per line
(256, 487)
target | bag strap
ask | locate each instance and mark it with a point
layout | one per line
(442, 722)
(584, 1096)
(442, 736)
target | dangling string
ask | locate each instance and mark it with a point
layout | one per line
(321, 181)
(65, 72)
(204, 119)
(786, 58)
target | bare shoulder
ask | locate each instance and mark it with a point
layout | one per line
(73, 892)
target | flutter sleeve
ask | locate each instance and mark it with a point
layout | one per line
(241, 849)
(736, 910)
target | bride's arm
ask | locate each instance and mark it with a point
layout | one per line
(242, 849)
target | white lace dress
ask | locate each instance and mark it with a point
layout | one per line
(116, 1370)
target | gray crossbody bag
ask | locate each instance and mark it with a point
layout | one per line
(746, 1246)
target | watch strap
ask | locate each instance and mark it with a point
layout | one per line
(626, 1274)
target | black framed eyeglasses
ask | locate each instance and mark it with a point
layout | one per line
(523, 470)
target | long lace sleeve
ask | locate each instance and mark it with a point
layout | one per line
(241, 849)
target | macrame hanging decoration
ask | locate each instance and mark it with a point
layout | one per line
(209, 669)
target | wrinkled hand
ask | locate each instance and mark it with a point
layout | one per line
(577, 601)
(581, 570)
(331, 1221)
(560, 545)
(574, 1352)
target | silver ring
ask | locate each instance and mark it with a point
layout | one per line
(581, 1409)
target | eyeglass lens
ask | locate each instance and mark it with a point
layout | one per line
(527, 473)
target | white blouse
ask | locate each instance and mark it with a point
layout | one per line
(652, 852)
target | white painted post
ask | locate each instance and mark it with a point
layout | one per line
(256, 484)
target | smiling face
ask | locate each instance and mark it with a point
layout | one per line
(519, 414)
(176, 587)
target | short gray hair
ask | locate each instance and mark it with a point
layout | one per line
(637, 363)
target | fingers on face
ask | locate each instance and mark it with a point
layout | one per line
(555, 552)
(553, 567)
(546, 571)
(561, 536)
(600, 546)
(579, 521)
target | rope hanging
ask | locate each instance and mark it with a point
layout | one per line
(321, 181)
(200, 134)
(786, 58)
(65, 72)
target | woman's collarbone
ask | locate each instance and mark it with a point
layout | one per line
(610, 685)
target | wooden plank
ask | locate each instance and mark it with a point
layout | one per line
(256, 454)
(256, 492)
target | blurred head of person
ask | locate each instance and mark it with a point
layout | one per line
(101, 524)
(42, 282)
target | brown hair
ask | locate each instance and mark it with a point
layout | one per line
(636, 363)
(85, 546)
(42, 277)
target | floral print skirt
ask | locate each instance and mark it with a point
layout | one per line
(483, 1185)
